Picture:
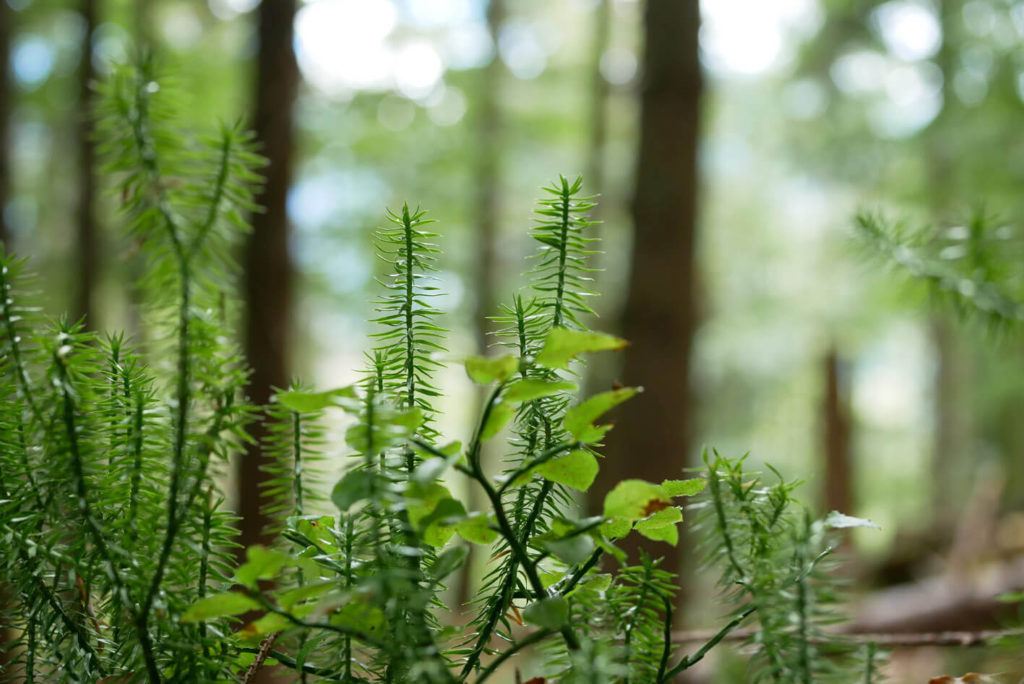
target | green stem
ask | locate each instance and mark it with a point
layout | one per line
(529, 640)
(692, 660)
(666, 638)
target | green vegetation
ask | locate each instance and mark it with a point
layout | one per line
(120, 565)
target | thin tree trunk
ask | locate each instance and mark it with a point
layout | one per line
(838, 494)
(652, 435)
(488, 182)
(267, 266)
(6, 96)
(489, 124)
(595, 178)
(86, 252)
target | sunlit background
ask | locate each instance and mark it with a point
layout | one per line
(814, 110)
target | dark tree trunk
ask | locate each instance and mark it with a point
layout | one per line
(838, 494)
(594, 180)
(488, 123)
(267, 266)
(652, 436)
(86, 251)
(6, 93)
(488, 184)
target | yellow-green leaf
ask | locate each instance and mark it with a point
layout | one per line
(308, 402)
(483, 370)
(684, 487)
(576, 469)
(551, 613)
(579, 420)
(635, 500)
(661, 526)
(562, 344)
(477, 529)
(261, 563)
(499, 416)
(529, 389)
(219, 605)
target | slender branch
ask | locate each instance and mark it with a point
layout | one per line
(289, 662)
(512, 650)
(667, 650)
(690, 661)
(541, 458)
(218, 195)
(327, 626)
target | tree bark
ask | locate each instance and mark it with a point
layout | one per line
(267, 265)
(86, 252)
(489, 126)
(652, 437)
(594, 180)
(838, 494)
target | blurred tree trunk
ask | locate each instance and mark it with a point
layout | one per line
(488, 127)
(488, 186)
(86, 250)
(594, 180)
(838, 494)
(950, 413)
(266, 262)
(6, 93)
(652, 436)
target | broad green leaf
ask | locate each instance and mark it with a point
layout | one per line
(316, 529)
(448, 562)
(635, 499)
(562, 344)
(529, 389)
(579, 420)
(219, 605)
(577, 469)
(499, 416)
(552, 613)
(599, 582)
(837, 520)
(268, 624)
(288, 598)
(549, 578)
(410, 419)
(354, 486)
(261, 563)
(308, 402)
(661, 526)
(431, 509)
(572, 550)
(616, 528)
(684, 487)
(359, 615)
(483, 370)
(477, 529)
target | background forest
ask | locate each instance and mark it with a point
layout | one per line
(731, 144)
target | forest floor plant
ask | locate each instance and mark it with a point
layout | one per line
(118, 549)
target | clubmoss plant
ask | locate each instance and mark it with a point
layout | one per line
(118, 549)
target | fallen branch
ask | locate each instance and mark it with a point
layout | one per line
(888, 640)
